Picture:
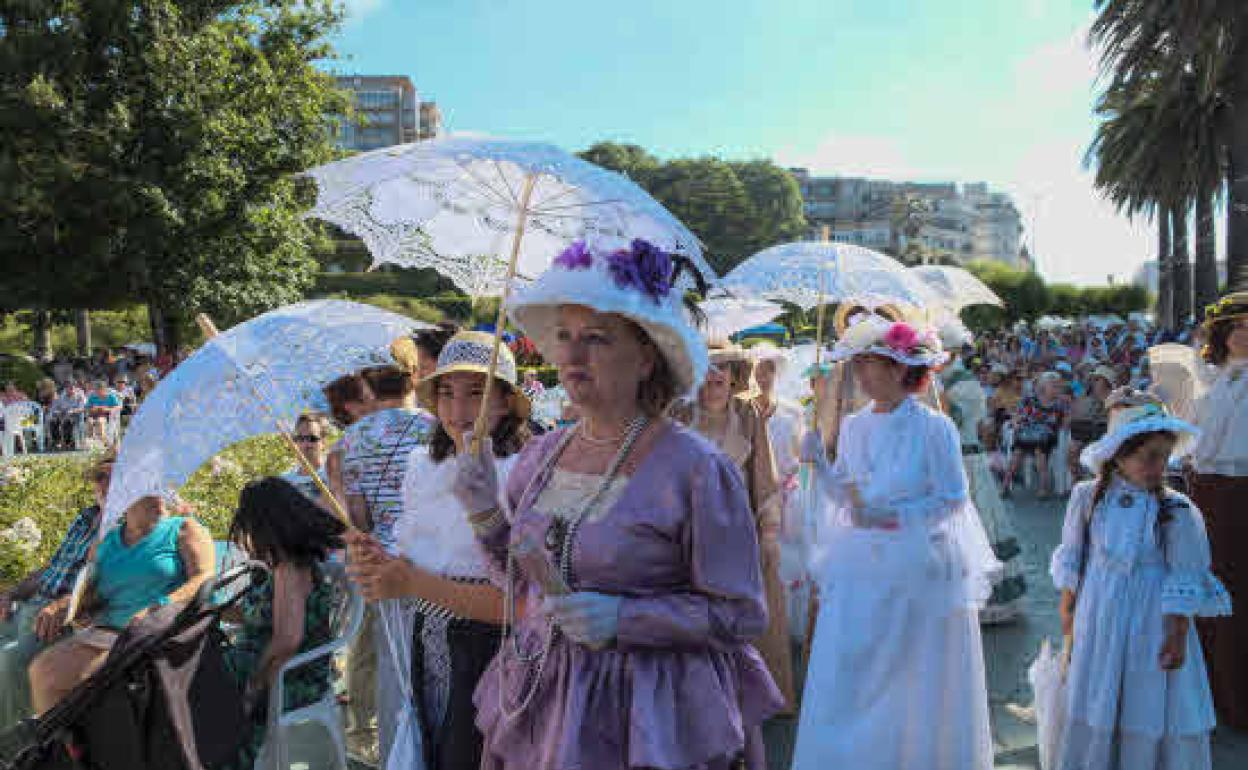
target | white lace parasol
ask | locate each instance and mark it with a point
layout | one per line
(459, 205)
(725, 315)
(810, 273)
(253, 379)
(955, 287)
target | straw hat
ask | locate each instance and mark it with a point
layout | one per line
(847, 312)
(633, 280)
(728, 353)
(1132, 413)
(1231, 307)
(900, 341)
(470, 352)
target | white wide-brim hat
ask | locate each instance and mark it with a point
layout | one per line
(590, 283)
(873, 335)
(1125, 423)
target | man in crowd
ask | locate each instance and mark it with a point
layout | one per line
(25, 628)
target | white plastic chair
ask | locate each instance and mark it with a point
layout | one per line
(347, 618)
(112, 430)
(15, 417)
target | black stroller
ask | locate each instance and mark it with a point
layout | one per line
(162, 700)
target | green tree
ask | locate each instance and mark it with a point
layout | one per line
(708, 196)
(776, 211)
(164, 139)
(628, 159)
(1190, 58)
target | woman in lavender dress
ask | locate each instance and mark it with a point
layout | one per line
(628, 551)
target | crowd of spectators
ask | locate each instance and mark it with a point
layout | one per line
(82, 401)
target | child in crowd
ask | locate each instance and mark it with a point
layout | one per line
(1134, 568)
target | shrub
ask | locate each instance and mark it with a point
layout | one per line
(22, 371)
(50, 491)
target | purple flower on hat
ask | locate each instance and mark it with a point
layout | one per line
(575, 257)
(642, 266)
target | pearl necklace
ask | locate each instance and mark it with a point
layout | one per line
(635, 428)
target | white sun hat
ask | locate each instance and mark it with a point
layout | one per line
(633, 280)
(1132, 413)
(898, 340)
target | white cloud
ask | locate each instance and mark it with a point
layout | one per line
(846, 155)
(358, 9)
(1029, 142)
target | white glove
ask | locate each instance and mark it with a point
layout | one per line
(816, 454)
(589, 618)
(476, 479)
(813, 449)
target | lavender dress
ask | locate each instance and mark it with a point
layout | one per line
(681, 687)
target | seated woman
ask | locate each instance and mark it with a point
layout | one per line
(290, 611)
(150, 559)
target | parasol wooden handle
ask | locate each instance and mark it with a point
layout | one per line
(209, 330)
(481, 426)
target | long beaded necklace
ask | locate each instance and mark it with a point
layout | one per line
(560, 538)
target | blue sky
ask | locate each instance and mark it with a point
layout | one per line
(963, 90)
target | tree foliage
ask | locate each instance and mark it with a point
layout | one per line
(152, 148)
(735, 208)
(1027, 297)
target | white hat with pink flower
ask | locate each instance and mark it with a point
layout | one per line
(901, 341)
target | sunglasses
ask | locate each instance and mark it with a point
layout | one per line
(308, 439)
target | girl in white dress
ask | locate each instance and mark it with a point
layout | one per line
(896, 676)
(1133, 568)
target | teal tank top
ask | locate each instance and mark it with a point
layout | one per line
(132, 578)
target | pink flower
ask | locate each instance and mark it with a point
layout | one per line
(901, 337)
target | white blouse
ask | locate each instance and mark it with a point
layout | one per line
(785, 427)
(1222, 448)
(433, 530)
(916, 523)
(906, 464)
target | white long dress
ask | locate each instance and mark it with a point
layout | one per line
(785, 427)
(1123, 711)
(896, 678)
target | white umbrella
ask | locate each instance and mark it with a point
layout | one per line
(1047, 675)
(955, 287)
(725, 316)
(464, 205)
(253, 379)
(1052, 322)
(811, 273)
(142, 348)
(487, 212)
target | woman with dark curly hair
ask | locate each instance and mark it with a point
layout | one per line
(1219, 485)
(289, 612)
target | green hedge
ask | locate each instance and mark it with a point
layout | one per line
(24, 373)
(52, 489)
(410, 283)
